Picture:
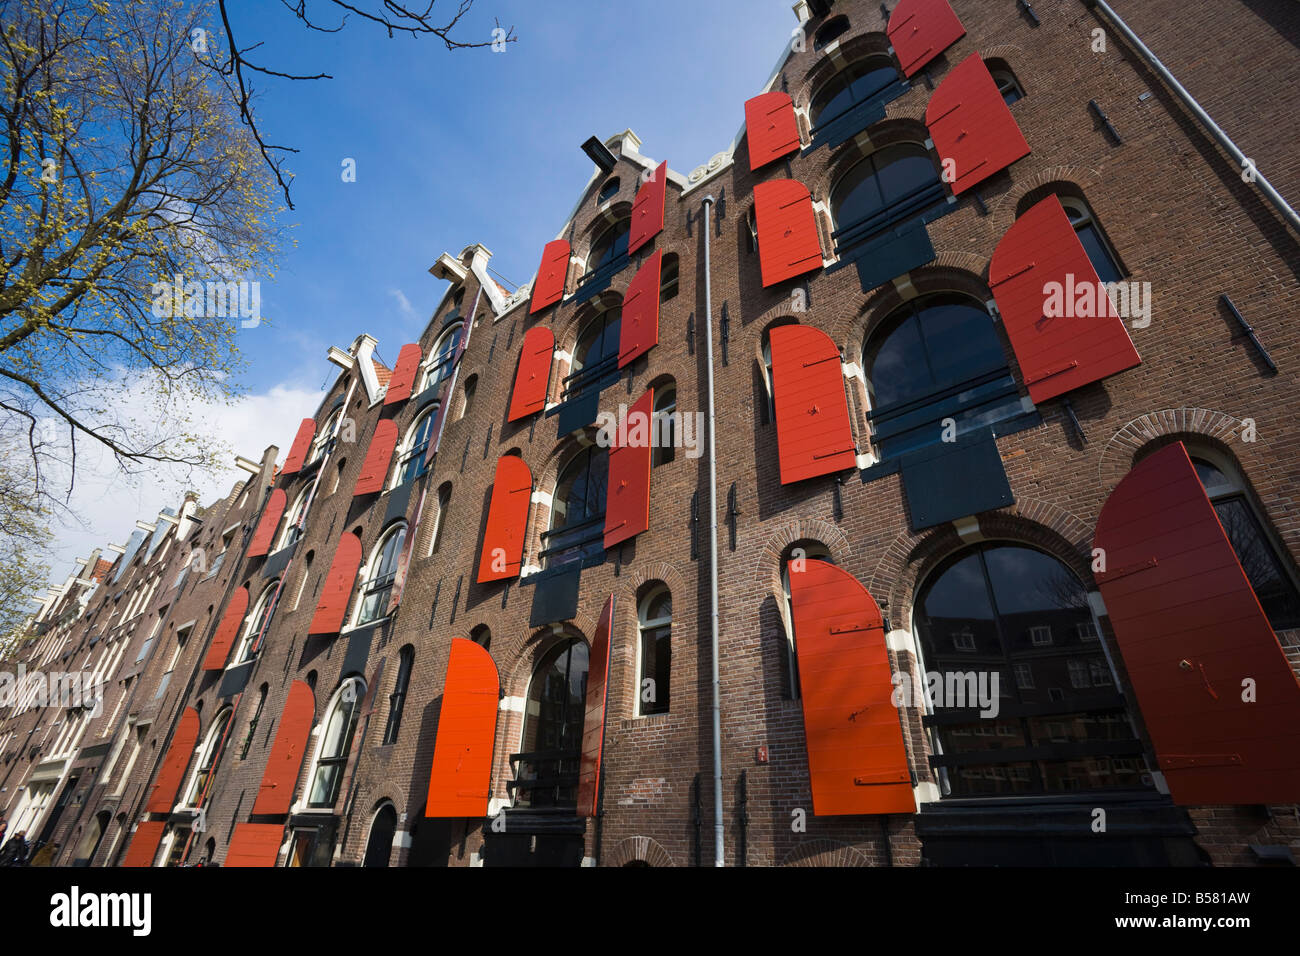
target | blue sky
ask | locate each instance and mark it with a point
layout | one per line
(451, 148)
(454, 147)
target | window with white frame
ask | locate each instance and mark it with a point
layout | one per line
(654, 658)
(256, 623)
(292, 529)
(196, 790)
(323, 443)
(411, 456)
(381, 571)
(1040, 635)
(800, 550)
(335, 744)
(438, 367)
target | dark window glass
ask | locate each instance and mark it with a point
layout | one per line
(656, 654)
(210, 760)
(578, 508)
(376, 591)
(611, 244)
(1098, 254)
(856, 83)
(596, 356)
(397, 702)
(412, 465)
(547, 770)
(1022, 615)
(336, 743)
(380, 844)
(608, 191)
(891, 185)
(830, 31)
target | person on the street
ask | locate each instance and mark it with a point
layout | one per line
(45, 855)
(4, 825)
(14, 853)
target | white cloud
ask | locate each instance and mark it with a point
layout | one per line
(403, 303)
(109, 502)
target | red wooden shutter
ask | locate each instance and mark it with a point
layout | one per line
(403, 380)
(301, 445)
(144, 843)
(972, 126)
(172, 772)
(534, 373)
(1191, 632)
(337, 591)
(856, 759)
(648, 209)
(227, 631)
(1060, 353)
(467, 724)
(627, 500)
(275, 796)
(254, 844)
(548, 288)
(379, 456)
(503, 539)
(593, 725)
(813, 433)
(638, 330)
(788, 244)
(264, 536)
(922, 29)
(771, 128)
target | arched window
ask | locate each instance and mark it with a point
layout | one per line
(440, 518)
(410, 462)
(546, 775)
(377, 583)
(936, 358)
(338, 475)
(608, 191)
(209, 759)
(256, 623)
(766, 368)
(578, 508)
(831, 30)
(610, 245)
(467, 396)
(482, 636)
(379, 846)
(335, 744)
(1012, 613)
(292, 529)
(1005, 78)
(323, 443)
(1274, 585)
(438, 366)
(456, 301)
(889, 186)
(799, 551)
(397, 701)
(859, 82)
(257, 716)
(655, 617)
(595, 357)
(1100, 253)
(668, 278)
(664, 432)
(91, 839)
(302, 581)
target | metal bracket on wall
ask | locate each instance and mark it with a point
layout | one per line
(690, 334)
(455, 602)
(1074, 419)
(725, 325)
(837, 500)
(1105, 121)
(1028, 11)
(1250, 332)
(695, 521)
(742, 815)
(697, 817)
(487, 441)
(733, 513)
(433, 611)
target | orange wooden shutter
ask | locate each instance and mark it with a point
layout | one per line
(144, 843)
(301, 445)
(920, 30)
(462, 750)
(593, 726)
(813, 433)
(548, 288)
(627, 501)
(337, 591)
(172, 772)
(771, 128)
(264, 536)
(857, 762)
(1192, 634)
(648, 209)
(379, 456)
(503, 539)
(227, 631)
(638, 330)
(275, 795)
(1063, 352)
(788, 244)
(533, 374)
(254, 844)
(403, 380)
(972, 126)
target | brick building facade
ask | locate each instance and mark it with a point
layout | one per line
(454, 627)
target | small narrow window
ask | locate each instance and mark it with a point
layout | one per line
(1005, 78)
(397, 701)
(338, 475)
(806, 551)
(664, 434)
(440, 519)
(467, 396)
(668, 278)
(482, 636)
(302, 582)
(252, 724)
(655, 664)
(830, 31)
(1100, 253)
(608, 191)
